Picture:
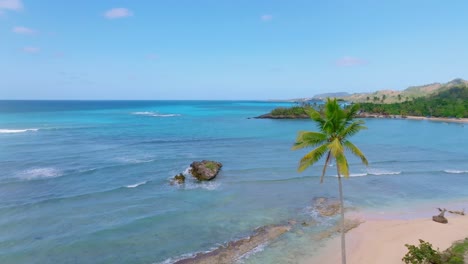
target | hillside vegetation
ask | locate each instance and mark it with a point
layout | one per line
(446, 102)
(391, 96)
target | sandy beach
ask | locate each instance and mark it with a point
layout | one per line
(439, 119)
(382, 241)
(436, 119)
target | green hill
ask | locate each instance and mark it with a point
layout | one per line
(392, 96)
(449, 100)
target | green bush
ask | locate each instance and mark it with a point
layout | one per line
(422, 254)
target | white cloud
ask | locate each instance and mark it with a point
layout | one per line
(11, 5)
(349, 61)
(31, 49)
(266, 17)
(118, 13)
(24, 30)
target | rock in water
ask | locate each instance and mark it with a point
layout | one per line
(230, 253)
(205, 170)
(326, 207)
(179, 179)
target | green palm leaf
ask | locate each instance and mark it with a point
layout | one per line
(356, 151)
(312, 157)
(308, 139)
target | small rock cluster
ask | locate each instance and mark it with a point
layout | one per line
(204, 170)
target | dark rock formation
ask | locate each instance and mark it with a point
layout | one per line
(326, 207)
(440, 218)
(205, 170)
(231, 252)
(179, 179)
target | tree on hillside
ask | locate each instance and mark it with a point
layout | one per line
(399, 97)
(335, 126)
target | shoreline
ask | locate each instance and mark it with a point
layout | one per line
(382, 240)
(436, 119)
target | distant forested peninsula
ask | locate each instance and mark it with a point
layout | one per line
(451, 102)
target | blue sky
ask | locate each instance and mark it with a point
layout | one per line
(242, 49)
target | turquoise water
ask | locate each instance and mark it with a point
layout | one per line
(88, 181)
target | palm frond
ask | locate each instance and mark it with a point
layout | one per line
(335, 147)
(342, 164)
(308, 139)
(352, 129)
(316, 117)
(356, 151)
(351, 112)
(312, 157)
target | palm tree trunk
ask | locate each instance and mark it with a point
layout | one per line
(343, 245)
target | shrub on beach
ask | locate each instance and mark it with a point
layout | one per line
(425, 254)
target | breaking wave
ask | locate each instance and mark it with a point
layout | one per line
(456, 171)
(154, 114)
(39, 173)
(12, 131)
(136, 184)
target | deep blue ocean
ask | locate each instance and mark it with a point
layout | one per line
(88, 181)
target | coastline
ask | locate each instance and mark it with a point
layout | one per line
(436, 119)
(383, 240)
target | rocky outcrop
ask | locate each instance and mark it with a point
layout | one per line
(178, 179)
(231, 252)
(326, 207)
(440, 218)
(205, 170)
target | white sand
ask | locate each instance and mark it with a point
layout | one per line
(382, 241)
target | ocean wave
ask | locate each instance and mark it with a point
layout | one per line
(40, 173)
(374, 172)
(136, 184)
(207, 185)
(252, 252)
(154, 114)
(379, 172)
(456, 171)
(12, 131)
(133, 160)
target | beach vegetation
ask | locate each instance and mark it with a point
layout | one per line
(426, 254)
(335, 126)
(291, 111)
(422, 254)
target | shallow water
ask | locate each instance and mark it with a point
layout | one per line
(87, 181)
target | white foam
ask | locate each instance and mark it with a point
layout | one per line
(358, 174)
(133, 160)
(154, 114)
(187, 172)
(456, 171)
(374, 172)
(255, 250)
(379, 172)
(136, 184)
(11, 131)
(207, 185)
(39, 173)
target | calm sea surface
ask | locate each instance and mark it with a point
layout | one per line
(88, 181)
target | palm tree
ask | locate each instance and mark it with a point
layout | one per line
(335, 126)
